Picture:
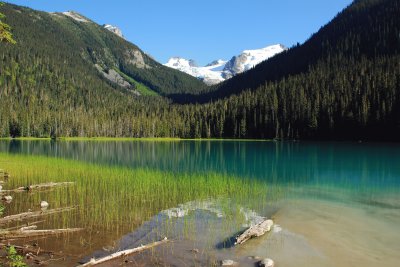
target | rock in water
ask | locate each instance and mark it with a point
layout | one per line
(44, 204)
(266, 263)
(229, 263)
(7, 199)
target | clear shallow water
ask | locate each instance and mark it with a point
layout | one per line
(340, 204)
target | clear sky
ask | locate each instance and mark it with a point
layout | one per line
(203, 30)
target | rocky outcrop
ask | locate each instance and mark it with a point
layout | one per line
(114, 77)
(135, 57)
(76, 16)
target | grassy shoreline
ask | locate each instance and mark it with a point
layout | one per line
(149, 139)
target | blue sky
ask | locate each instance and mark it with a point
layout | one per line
(203, 30)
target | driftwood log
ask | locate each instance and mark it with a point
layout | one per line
(123, 253)
(39, 187)
(255, 231)
(31, 232)
(31, 214)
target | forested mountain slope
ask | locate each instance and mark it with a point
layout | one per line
(343, 83)
(70, 43)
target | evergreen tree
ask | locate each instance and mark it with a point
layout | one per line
(5, 30)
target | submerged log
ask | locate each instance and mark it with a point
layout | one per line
(30, 232)
(22, 226)
(32, 214)
(40, 186)
(255, 231)
(123, 253)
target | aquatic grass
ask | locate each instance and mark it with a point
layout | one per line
(108, 196)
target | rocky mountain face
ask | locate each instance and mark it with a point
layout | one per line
(250, 58)
(220, 70)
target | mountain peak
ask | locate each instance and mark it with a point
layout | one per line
(250, 58)
(175, 62)
(114, 29)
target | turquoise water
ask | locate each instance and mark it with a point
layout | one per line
(343, 164)
(341, 205)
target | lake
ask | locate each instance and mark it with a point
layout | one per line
(334, 204)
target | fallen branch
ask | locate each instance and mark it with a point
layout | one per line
(123, 253)
(31, 214)
(21, 226)
(255, 231)
(39, 186)
(29, 232)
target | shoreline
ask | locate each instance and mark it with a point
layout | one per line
(148, 139)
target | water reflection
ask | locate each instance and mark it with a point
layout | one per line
(347, 164)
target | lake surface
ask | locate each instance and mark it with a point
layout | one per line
(335, 204)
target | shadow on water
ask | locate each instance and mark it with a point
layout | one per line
(228, 242)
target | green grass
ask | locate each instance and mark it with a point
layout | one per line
(143, 89)
(112, 197)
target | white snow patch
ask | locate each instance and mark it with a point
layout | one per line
(208, 74)
(255, 57)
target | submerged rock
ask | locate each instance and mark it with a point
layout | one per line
(7, 199)
(44, 204)
(266, 263)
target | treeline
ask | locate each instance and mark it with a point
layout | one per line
(332, 101)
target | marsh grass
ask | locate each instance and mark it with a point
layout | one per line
(113, 201)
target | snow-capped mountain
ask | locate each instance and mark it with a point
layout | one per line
(210, 74)
(220, 70)
(114, 29)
